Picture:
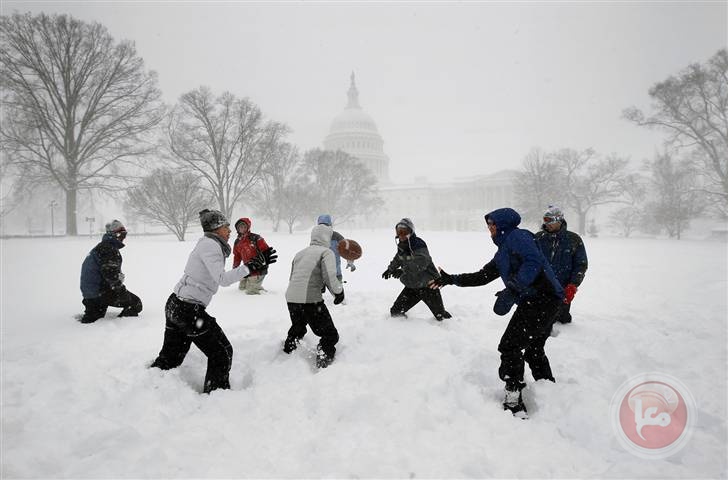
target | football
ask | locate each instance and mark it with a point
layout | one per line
(349, 249)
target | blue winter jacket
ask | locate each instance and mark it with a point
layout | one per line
(518, 261)
(565, 252)
(101, 269)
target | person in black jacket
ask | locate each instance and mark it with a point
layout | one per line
(565, 252)
(531, 284)
(102, 283)
(413, 266)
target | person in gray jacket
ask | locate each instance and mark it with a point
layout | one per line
(413, 266)
(314, 268)
(187, 321)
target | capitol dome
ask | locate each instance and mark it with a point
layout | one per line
(354, 132)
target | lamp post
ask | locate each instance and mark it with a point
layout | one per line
(52, 205)
(90, 221)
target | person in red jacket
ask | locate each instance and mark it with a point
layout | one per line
(247, 246)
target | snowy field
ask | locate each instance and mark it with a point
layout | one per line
(406, 398)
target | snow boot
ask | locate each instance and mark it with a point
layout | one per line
(513, 402)
(323, 360)
(290, 344)
(442, 315)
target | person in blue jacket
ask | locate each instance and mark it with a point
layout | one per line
(102, 283)
(529, 283)
(326, 219)
(565, 252)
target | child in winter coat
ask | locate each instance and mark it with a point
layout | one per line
(531, 284)
(314, 267)
(187, 320)
(413, 267)
(246, 247)
(102, 283)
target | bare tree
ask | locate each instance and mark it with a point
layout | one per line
(168, 197)
(588, 182)
(693, 108)
(224, 140)
(675, 201)
(276, 196)
(75, 103)
(538, 185)
(631, 217)
(341, 185)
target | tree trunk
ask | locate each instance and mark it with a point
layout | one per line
(71, 225)
(582, 223)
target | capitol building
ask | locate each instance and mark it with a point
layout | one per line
(467, 199)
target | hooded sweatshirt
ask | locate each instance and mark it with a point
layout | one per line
(312, 268)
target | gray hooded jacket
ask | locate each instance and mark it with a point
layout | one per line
(312, 268)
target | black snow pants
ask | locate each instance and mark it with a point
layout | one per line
(130, 304)
(188, 323)
(524, 340)
(316, 316)
(409, 297)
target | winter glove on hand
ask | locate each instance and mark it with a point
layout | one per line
(505, 301)
(569, 291)
(386, 274)
(397, 273)
(444, 279)
(338, 298)
(270, 255)
(350, 265)
(256, 263)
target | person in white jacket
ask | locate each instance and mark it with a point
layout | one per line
(187, 321)
(314, 268)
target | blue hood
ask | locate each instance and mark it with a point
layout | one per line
(506, 220)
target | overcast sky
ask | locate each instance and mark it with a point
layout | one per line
(455, 89)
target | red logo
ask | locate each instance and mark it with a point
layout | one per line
(653, 415)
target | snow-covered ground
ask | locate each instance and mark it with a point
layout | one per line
(406, 398)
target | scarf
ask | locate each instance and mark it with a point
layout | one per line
(223, 244)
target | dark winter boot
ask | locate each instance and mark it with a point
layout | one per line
(442, 315)
(323, 360)
(397, 314)
(513, 401)
(290, 344)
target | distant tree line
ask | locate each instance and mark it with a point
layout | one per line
(81, 113)
(687, 178)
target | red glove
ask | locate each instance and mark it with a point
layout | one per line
(569, 291)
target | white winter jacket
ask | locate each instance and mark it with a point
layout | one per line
(312, 268)
(205, 272)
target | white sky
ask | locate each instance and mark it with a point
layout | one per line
(455, 89)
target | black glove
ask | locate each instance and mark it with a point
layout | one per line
(386, 274)
(270, 255)
(338, 297)
(444, 279)
(397, 273)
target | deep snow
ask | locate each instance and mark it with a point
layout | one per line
(405, 398)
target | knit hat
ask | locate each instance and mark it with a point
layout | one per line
(115, 226)
(553, 214)
(325, 220)
(211, 220)
(406, 223)
(117, 229)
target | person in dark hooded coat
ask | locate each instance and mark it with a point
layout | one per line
(565, 252)
(102, 282)
(531, 284)
(413, 266)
